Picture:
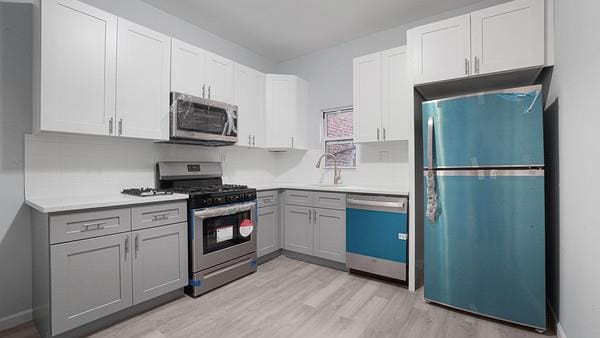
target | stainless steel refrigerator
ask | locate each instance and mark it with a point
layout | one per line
(484, 204)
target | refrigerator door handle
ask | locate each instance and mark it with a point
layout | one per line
(431, 193)
(430, 142)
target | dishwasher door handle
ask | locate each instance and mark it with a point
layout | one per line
(398, 205)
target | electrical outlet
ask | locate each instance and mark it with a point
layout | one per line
(384, 155)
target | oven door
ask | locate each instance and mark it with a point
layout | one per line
(220, 234)
(195, 118)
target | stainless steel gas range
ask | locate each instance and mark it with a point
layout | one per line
(221, 218)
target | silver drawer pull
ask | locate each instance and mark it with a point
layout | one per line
(160, 217)
(93, 226)
(267, 200)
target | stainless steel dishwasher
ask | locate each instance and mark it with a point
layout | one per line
(377, 235)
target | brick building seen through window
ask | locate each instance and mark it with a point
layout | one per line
(338, 137)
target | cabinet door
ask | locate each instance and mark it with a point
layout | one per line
(367, 98)
(441, 50)
(268, 230)
(508, 36)
(188, 69)
(396, 94)
(143, 62)
(330, 234)
(249, 96)
(90, 279)
(280, 100)
(299, 229)
(219, 77)
(78, 67)
(160, 261)
(300, 131)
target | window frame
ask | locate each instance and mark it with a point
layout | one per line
(325, 139)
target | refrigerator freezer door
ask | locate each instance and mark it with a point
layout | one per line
(484, 252)
(495, 129)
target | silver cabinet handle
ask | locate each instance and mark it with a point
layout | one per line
(110, 126)
(249, 143)
(384, 134)
(309, 215)
(476, 65)
(203, 91)
(126, 246)
(466, 66)
(137, 244)
(209, 92)
(97, 226)
(160, 217)
(292, 141)
(377, 134)
(254, 140)
(120, 127)
(315, 217)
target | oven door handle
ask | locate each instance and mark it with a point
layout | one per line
(224, 210)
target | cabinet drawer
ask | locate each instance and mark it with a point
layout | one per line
(330, 200)
(267, 198)
(87, 224)
(158, 214)
(300, 197)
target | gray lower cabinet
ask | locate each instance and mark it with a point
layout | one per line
(315, 224)
(92, 274)
(299, 229)
(90, 279)
(330, 234)
(267, 230)
(160, 261)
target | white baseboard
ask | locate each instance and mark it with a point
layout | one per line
(16, 319)
(560, 333)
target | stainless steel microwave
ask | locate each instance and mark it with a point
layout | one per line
(201, 121)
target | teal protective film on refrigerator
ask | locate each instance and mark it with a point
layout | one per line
(486, 130)
(375, 234)
(485, 252)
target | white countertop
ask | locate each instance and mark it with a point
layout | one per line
(350, 188)
(57, 204)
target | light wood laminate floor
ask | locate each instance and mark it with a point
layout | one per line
(290, 298)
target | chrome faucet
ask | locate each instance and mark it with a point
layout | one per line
(337, 173)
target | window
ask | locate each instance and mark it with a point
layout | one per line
(338, 137)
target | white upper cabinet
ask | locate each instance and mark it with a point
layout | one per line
(502, 38)
(286, 114)
(396, 94)
(441, 50)
(76, 65)
(249, 96)
(188, 73)
(367, 98)
(197, 72)
(219, 78)
(508, 36)
(143, 62)
(382, 96)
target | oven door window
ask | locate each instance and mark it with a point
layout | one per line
(201, 118)
(222, 232)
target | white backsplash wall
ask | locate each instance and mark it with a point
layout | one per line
(73, 165)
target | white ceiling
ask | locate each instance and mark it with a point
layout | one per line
(285, 29)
